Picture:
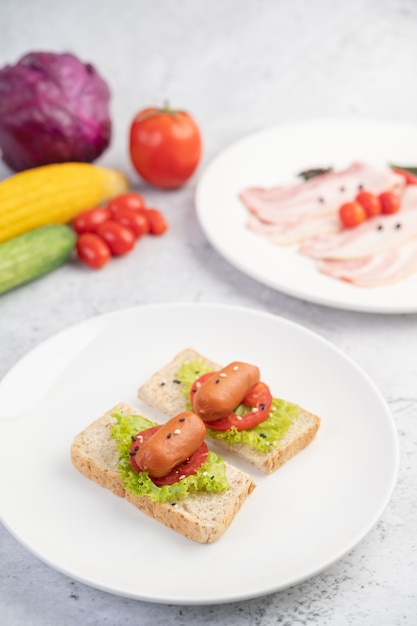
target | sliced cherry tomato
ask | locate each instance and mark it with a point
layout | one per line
(186, 468)
(119, 238)
(165, 146)
(157, 222)
(352, 214)
(370, 202)
(259, 398)
(390, 202)
(88, 221)
(409, 177)
(93, 250)
(128, 200)
(137, 221)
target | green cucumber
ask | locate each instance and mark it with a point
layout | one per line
(34, 254)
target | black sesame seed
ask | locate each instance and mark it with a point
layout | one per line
(211, 477)
(217, 380)
(379, 227)
(193, 390)
(169, 435)
(360, 187)
(132, 453)
(262, 405)
(133, 437)
(262, 435)
(176, 381)
(321, 199)
(173, 503)
(162, 384)
(182, 419)
(136, 448)
(398, 225)
(342, 189)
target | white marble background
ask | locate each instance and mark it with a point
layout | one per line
(237, 67)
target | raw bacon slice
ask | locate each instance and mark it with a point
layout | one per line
(377, 270)
(290, 234)
(376, 235)
(319, 196)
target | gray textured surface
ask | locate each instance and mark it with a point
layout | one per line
(238, 67)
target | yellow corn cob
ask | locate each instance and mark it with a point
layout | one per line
(54, 194)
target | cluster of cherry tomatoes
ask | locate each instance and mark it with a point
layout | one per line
(367, 205)
(112, 230)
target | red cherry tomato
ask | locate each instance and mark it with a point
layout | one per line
(370, 202)
(352, 214)
(119, 238)
(137, 221)
(93, 250)
(390, 202)
(88, 221)
(128, 200)
(157, 222)
(165, 146)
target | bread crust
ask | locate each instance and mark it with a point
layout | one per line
(162, 391)
(200, 517)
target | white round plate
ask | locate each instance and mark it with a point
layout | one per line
(276, 156)
(297, 522)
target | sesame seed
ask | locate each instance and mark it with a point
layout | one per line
(198, 384)
(173, 503)
(255, 409)
(136, 448)
(262, 405)
(235, 368)
(223, 375)
(217, 381)
(169, 435)
(177, 431)
(321, 200)
(162, 384)
(182, 419)
(238, 417)
(205, 473)
(379, 227)
(262, 435)
(182, 476)
(176, 381)
(132, 453)
(398, 225)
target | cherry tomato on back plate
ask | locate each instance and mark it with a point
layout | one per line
(119, 238)
(135, 220)
(370, 202)
(129, 200)
(157, 222)
(352, 214)
(88, 221)
(93, 250)
(390, 202)
(165, 146)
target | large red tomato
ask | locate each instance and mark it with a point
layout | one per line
(165, 146)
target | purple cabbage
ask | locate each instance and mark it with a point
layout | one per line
(53, 108)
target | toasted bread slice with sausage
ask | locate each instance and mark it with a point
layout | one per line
(202, 517)
(163, 392)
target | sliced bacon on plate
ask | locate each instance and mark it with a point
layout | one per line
(376, 235)
(322, 195)
(376, 270)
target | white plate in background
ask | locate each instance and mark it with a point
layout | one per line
(275, 156)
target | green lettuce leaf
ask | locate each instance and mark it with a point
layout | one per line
(210, 477)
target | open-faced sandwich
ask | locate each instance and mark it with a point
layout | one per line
(167, 471)
(237, 408)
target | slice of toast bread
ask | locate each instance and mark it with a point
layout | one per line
(201, 517)
(163, 392)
